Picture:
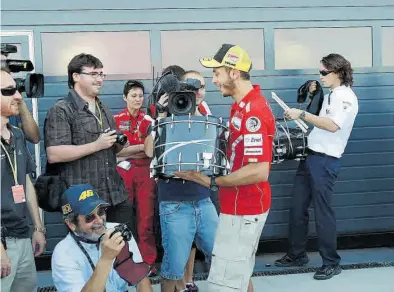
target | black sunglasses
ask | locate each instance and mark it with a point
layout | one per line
(9, 91)
(325, 73)
(91, 217)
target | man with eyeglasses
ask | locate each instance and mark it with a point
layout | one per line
(316, 176)
(80, 139)
(18, 198)
(82, 261)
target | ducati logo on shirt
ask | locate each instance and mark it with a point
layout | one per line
(253, 124)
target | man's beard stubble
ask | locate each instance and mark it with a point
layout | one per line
(98, 230)
(230, 86)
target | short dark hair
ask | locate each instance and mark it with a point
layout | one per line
(339, 65)
(78, 62)
(244, 75)
(132, 84)
(72, 217)
(176, 70)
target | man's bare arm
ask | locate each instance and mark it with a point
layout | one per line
(250, 174)
(67, 153)
(31, 201)
(29, 125)
(100, 275)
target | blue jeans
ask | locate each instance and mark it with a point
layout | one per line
(181, 224)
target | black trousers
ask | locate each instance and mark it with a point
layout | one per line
(314, 181)
(123, 213)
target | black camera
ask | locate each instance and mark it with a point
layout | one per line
(33, 84)
(124, 230)
(181, 94)
(121, 138)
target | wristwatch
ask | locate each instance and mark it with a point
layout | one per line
(40, 229)
(213, 186)
(302, 115)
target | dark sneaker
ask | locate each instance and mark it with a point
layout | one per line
(327, 272)
(288, 261)
(191, 287)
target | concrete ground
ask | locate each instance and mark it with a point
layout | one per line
(363, 270)
(361, 280)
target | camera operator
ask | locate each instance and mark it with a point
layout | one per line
(81, 140)
(18, 270)
(134, 167)
(27, 123)
(316, 176)
(72, 259)
(187, 215)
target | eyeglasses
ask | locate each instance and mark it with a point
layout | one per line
(95, 75)
(10, 91)
(91, 217)
(324, 73)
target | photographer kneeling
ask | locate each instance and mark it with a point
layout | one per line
(80, 262)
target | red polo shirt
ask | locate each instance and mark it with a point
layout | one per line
(134, 128)
(252, 127)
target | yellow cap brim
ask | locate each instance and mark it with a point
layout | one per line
(210, 63)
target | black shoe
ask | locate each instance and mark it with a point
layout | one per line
(192, 287)
(288, 261)
(327, 272)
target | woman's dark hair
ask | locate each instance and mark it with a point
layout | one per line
(175, 70)
(78, 62)
(339, 65)
(132, 84)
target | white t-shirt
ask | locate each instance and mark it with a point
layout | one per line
(342, 109)
(71, 269)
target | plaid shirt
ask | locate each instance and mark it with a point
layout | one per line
(69, 122)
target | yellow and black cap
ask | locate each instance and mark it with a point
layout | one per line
(229, 56)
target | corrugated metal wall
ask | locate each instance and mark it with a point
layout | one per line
(364, 194)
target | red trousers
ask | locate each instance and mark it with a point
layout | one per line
(141, 189)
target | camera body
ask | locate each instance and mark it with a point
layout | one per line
(181, 94)
(124, 230)
(33, 84)
(120, 137)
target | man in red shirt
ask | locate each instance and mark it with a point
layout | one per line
(133, 166)
(244, 194)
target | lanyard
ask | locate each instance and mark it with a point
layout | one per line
(100, 121)
(14, 169)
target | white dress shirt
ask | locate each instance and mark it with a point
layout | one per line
(341, 106)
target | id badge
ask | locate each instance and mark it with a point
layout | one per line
(19, 194)
(126, 165)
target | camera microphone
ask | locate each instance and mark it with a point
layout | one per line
(168, 83)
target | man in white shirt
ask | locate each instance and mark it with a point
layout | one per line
(316, 176)
(74, 256)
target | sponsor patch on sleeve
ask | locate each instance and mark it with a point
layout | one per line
(253, 124)
(253, 151)
(253, 140)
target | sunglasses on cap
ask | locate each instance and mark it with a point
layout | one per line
(91, 217)
(325, 73)
(9, 91)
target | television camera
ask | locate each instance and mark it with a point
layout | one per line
(33, 84)
(181, 94)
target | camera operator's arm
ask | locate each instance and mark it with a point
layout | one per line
(29, 125)
(57, 135)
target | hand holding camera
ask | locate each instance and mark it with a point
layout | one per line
(312, 87)
(109, 138)
(112, 244)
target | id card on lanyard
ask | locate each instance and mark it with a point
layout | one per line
(18, 191)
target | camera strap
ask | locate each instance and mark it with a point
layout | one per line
(83, 250)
